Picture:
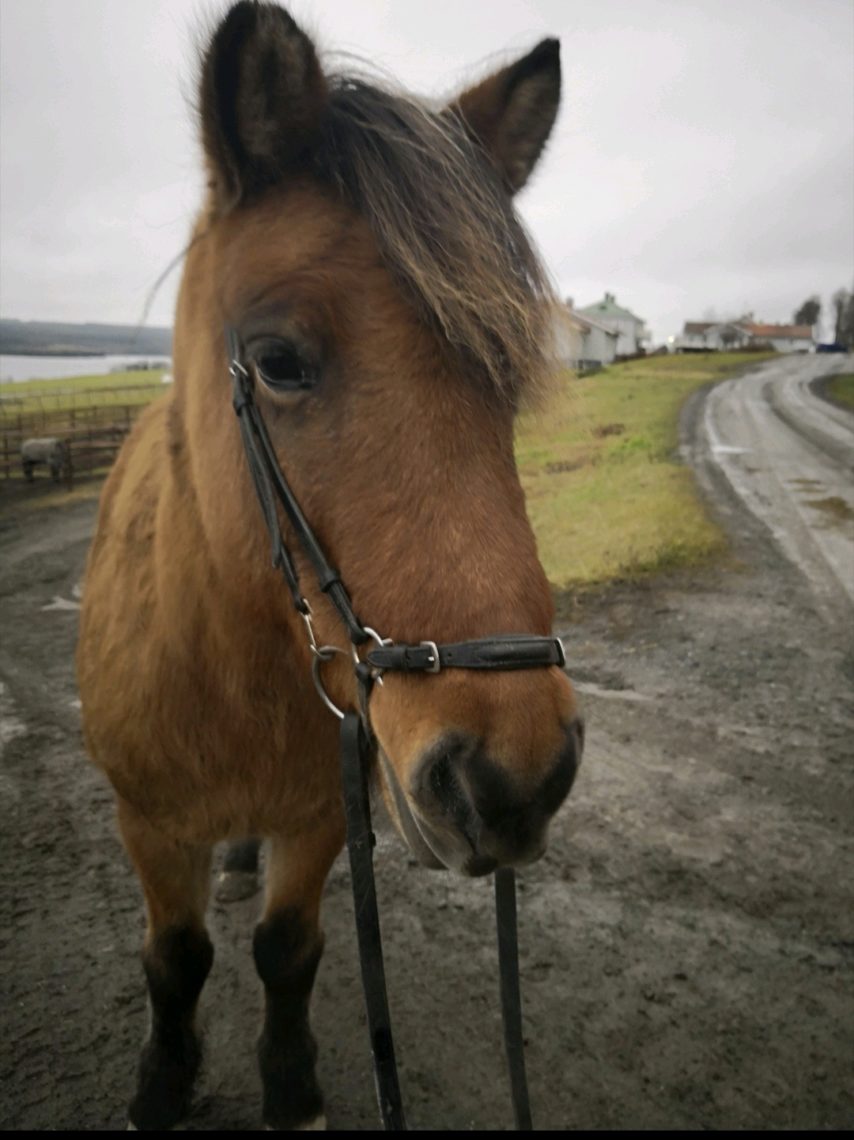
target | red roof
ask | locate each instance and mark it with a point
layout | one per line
(789, 332)
(761, 332)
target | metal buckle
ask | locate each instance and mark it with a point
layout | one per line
(380, 642)
(307, 614)
(561, 653)
(241, 395)
(436, 665)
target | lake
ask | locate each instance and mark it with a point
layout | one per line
(60, 367)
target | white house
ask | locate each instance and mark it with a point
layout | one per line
(729, 336)
(581, 343)
(712, 336)
(784, 338)
(631, 331)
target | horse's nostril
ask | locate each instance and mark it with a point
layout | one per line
(444, 784)
(463, 795)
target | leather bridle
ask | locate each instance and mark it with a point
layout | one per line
(358, 743)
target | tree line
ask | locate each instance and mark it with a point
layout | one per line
(843, 316)
(54, 338)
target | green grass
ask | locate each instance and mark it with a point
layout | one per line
(134, 387)
(606, 493)
(841, 388)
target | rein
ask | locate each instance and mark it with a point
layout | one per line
(359, 745)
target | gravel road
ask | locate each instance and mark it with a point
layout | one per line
(789, 456)
(687, 944)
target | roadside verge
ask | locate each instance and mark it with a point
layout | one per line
(608, 495)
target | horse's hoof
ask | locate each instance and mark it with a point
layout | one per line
(316, 1125)
(235, 885)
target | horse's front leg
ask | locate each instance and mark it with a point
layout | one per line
(177, 958)
(287, 945)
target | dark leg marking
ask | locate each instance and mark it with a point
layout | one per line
(176, 963)
(239, 876)
(242, 856)
(287, 953)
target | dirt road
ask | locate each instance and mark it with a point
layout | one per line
(789, 456)
(687, 943)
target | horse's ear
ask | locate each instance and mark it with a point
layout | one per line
(513, 111)
(262, 99)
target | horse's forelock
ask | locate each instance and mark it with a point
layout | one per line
(445, 227)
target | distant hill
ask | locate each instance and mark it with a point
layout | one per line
(48, 338)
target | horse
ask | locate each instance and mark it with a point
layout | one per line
(363, 246)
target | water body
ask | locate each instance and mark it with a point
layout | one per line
(59, 367)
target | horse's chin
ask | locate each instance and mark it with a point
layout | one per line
(438, 851)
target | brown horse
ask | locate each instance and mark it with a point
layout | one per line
(365, 249)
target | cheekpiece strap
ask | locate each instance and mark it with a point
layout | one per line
(271, 485)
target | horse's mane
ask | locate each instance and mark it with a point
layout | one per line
(445, 226)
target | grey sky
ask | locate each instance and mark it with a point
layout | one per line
(703, 158)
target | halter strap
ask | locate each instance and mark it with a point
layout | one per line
(510, 651)
(269, 482)
(355, 758)
(358, 744)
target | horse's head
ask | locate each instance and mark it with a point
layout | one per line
(366, 250)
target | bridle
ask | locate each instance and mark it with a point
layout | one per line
(358, 743)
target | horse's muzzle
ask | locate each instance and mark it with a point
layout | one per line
(467, 813)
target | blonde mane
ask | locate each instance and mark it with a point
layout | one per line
(445, 226)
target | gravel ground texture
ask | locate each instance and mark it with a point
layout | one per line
(687, 943)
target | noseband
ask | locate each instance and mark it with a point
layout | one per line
(358, 744)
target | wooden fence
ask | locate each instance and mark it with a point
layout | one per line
(92, 427)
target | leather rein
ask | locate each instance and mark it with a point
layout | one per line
(358, 745)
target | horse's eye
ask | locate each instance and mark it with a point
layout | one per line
(282, 367)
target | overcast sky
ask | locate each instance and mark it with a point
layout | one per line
(703, 158)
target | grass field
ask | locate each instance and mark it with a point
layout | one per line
(841, 388)
(90, 414)
(606, 493)
(77, 391)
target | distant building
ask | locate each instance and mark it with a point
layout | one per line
(582, 343)
(712, 336)
(729, 336)
(785, 338)
(631, 330)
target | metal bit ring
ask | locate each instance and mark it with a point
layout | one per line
(321, 655)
